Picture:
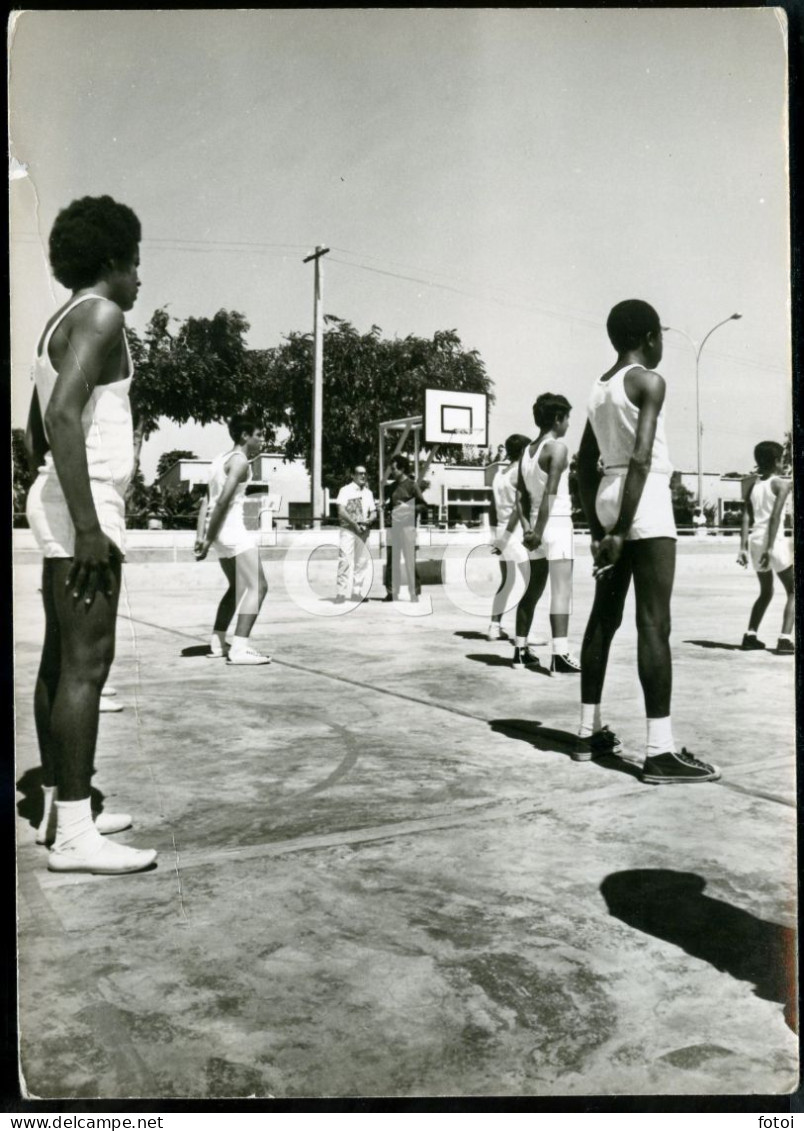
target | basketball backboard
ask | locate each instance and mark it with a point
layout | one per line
(454, 417)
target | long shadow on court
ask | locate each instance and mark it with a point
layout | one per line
(715, 644)
(671, 906)
(32, 805)
(472, 634)
(493, 661)
(197, 650)
(557, 742)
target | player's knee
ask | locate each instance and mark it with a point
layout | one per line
(657, 624)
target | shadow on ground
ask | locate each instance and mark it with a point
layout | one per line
(715, 644)
(557, 742)
(671, 906)
(491, 660)
(31, 806)
(197, 650)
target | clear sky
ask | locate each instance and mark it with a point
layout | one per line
(509, 174)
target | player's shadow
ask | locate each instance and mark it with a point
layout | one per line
(491, 660)
(672, 906)
(31, 807)
(473, 634)
(715, 644)
(557, 742)
(197, 650)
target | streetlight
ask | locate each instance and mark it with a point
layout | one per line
(699, 427)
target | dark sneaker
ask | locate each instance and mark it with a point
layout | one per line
(524, 658)
(565, 665)
(786, 647)
(597, 745)
(391, 597)
(677, 769)
(751, 644)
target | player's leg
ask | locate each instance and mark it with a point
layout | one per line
(562, 661)
(47, 682)
(654, 562)
(760, 607)
(535, 585)
(252, 589)
(227, 606)
(409, 554)
(786, 642)
(87, 635)
(605, 617)
(500, 599)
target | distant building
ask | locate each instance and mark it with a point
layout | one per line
(278, 485)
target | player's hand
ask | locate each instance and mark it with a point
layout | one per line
(91, 571)
(742, 558)
(608, 554)
(532, 540)
(201, 549)
(764, 561)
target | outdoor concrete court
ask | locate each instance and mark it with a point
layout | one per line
(380, 873)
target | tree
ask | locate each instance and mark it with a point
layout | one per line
(167, 460)
(199, 369)
(22, 474)
(367, 379)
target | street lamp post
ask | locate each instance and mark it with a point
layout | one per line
(699, 426)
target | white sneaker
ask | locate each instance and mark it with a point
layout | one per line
(107, 705)
(217, 652)
(103, 859)
(246, 656)
(105, 823)
(496, 632)
(109, 692)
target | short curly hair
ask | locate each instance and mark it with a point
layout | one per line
(87, 234)
(630, 322)
(549, 408)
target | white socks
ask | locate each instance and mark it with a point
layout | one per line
(785, 636)
(521, 641)
(590, 719)
(240, 643)
(560, 645)
(660, 737)
(75, 829)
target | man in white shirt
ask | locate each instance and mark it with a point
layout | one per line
(356, 513)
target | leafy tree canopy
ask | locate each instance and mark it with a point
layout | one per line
(167, 459)
(367, 379)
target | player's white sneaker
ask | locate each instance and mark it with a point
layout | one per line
(104, 858)
(247, 656)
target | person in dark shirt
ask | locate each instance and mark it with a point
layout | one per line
(403, 500)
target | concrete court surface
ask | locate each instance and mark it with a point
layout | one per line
(380, 873)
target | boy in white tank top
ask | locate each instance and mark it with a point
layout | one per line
(630, 516)
(221, 526)
(80, 438)
(545, 511)
(764, 499)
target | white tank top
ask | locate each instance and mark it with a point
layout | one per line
(614, 422)
(762, 503)
(503, 488)
(536, 480)
(106, 418)
(234, 521)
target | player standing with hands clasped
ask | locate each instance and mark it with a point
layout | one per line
(356, 513)
(630, 516)
(80, 437)
(221, 525)
(764, 498)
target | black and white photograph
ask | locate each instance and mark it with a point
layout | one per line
(403, 581)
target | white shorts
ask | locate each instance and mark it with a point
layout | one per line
(232, 542)
(558, 541)
(781, 555)
(654, 515)
(50, 522)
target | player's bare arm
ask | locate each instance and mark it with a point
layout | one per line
(781, 489)
(746, 523)
(588, 479)
(236, 474)
(91, 346)
(553, 459)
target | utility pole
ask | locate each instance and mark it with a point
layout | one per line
(317, 494)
